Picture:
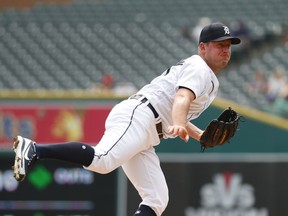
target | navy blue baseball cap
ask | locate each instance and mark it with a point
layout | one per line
(217, 32)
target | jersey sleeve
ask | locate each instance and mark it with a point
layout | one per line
(193, 77)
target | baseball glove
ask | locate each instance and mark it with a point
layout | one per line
(219, 131)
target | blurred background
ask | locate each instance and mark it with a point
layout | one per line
(65, 63)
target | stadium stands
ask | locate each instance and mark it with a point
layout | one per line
(71, 45)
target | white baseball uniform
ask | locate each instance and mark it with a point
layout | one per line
(131, 133)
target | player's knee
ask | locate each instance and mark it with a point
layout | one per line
(101, 168)
(106, 170)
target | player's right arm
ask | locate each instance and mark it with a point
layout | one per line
(184, 97)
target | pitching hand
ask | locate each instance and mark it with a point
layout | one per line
(180, 131)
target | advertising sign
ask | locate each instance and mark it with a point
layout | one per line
(223, 188)
(54, 189)
(53, 123)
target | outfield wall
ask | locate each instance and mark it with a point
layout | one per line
(200, 185)
(61, 120)
(243, 178)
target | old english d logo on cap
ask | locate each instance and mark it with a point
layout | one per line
(226, 30)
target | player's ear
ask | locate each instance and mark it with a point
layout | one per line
(201, 46)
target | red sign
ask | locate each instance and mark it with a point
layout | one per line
(53, 124)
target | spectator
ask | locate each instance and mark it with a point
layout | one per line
(200, 25)
(239, 28)
(242, 31)
(109, 87)
(105, 87)
(283, 94)
(281, 102)
(124, 88)
(258, 85)
(275, 84)
(107, 82)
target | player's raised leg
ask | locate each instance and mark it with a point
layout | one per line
(28, 151)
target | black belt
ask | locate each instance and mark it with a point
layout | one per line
(156, 115)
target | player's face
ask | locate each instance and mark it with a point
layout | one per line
(217, 54)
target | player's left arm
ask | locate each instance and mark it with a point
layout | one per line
(184, 97)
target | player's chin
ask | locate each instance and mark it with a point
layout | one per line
(225, 62)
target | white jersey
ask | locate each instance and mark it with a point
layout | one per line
(131, 128)
(192, 73)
